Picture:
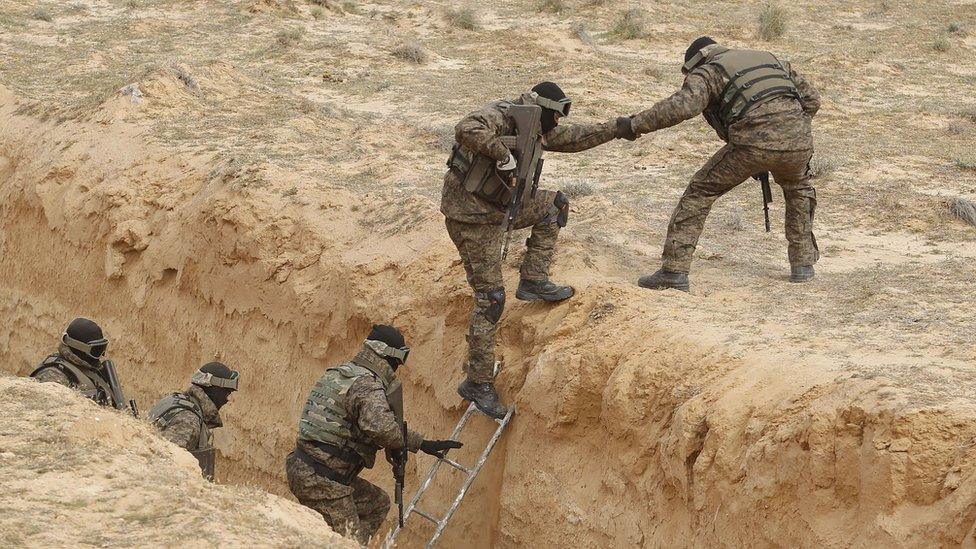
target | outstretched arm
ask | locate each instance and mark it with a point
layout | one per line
(579, 137)
(688, 102)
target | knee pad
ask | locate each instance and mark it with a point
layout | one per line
(562, 204)
(496, 304)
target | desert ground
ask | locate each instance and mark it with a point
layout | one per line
(258, 181)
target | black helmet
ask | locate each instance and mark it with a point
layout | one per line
(85, 338)
(388, 342)
(217, 380)
(693, 50)
(554, 104)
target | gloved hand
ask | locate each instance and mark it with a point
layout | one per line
(624, 129)
(438, 448)
(506, 169)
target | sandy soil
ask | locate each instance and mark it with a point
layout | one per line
(272, 186)
(78, 475)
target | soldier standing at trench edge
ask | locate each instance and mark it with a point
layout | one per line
(474, 218)
(762, 109)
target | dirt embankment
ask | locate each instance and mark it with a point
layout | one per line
(631, 430)
(78, 475)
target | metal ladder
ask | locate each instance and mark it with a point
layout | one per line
(472, 473)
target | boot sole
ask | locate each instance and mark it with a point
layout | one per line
(522, 295)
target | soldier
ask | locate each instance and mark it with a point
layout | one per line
(475, 211)
(354, 409)
(762, 109)
(77, 363)
(187, 419)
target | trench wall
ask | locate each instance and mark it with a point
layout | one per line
(627, 433)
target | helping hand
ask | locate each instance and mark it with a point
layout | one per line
(438, 448)
(625, 130)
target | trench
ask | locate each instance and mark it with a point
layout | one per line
(627, 433)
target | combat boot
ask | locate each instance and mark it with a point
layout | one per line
(664, 279)
(801, 273)
(484, 397)
(530, 290)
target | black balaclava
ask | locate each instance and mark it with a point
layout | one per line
(392, 337)
(218, 395)
(86, 331)
(697, 46)
(549, 90)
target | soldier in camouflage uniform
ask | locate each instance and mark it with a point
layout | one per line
(187, 419)
(77, 363)
(354, 409)
(762, 109)
(474, 222)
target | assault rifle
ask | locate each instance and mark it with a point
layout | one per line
(118, 399)
(527, 148)
(767, 194)
(400, 471)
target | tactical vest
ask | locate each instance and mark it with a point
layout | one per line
(161, 415)
(324, 415)
(87, 382)
(754, 77)
(478, 174)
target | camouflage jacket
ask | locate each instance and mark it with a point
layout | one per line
(367, 409)
(780, 124)
(184, 429)
(54, 375)
(479, 131)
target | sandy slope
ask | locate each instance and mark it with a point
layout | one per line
(77, 475)
(269, 214)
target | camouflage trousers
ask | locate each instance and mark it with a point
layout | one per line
(480, 248)
(729, 167)
(355, 511)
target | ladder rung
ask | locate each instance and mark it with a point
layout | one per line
(426, 516)
(456, 465)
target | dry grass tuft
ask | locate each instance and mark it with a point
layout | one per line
(289, 37)
(631, 25)
(42, 14)
(551, 6)
(578, 189)
(821, 166)
(580, 32)
(733, 223)
(183, 74)
(318, 13)
(969, 113)
(462, 18)
(412, 52)
(656, 72)
(956, 28)
(942, 43)
(350, 7)
(962, 209)
(773, 20)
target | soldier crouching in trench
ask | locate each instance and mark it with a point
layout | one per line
(78, 364)
(355, 409)
(477, 189)
(187, 419)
